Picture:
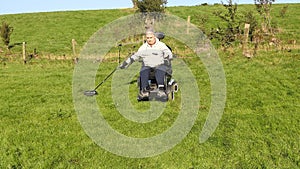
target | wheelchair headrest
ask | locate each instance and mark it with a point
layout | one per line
(159, 35)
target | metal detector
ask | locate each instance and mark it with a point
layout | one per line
(159, 35)
(94, 92)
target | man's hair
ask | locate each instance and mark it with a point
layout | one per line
(150, 30)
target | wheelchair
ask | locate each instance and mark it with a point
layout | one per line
(170, 87)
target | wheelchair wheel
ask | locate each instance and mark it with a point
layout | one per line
(171, 96)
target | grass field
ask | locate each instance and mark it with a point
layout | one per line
(40, 128)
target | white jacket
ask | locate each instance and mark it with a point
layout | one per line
(152, 56)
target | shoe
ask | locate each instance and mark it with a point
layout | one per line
(143, 94)
(161, 96)
(161, 93)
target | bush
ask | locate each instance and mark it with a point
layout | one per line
(250, 18)
(228, 35)
(283, 11)
(263, 7)
(5, 32)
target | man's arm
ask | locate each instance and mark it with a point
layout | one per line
(166, 51)
(129, 61)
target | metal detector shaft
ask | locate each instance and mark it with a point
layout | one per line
(94, 92)
(119, 57)
(105, 79)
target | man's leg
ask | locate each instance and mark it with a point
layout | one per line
(145, 73)
(160, 77)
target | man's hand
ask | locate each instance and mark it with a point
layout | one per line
(123, 65)
(167, 62)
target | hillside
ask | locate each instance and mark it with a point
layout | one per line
(51, 33)
(41, 127)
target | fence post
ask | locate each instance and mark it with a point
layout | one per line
(74, 43)
(74, 47)
(246, 35)
(188, 25)
(24, 52)
(246, 52)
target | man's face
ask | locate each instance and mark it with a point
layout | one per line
(150, 38)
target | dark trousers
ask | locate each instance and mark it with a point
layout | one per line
(145, 73)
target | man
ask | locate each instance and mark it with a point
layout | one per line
(154, 55)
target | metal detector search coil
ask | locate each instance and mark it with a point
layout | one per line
(91, 93)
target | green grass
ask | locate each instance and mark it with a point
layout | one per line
(40, 128)
(259, 128)
(51, 33)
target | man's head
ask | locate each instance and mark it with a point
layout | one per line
(150, 37)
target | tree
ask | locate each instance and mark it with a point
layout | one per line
(147, 6)
(134, 2)
(5, 32)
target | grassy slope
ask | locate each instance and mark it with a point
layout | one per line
(39, 127)
(51, 33)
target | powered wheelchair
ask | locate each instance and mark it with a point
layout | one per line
(170, 84)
